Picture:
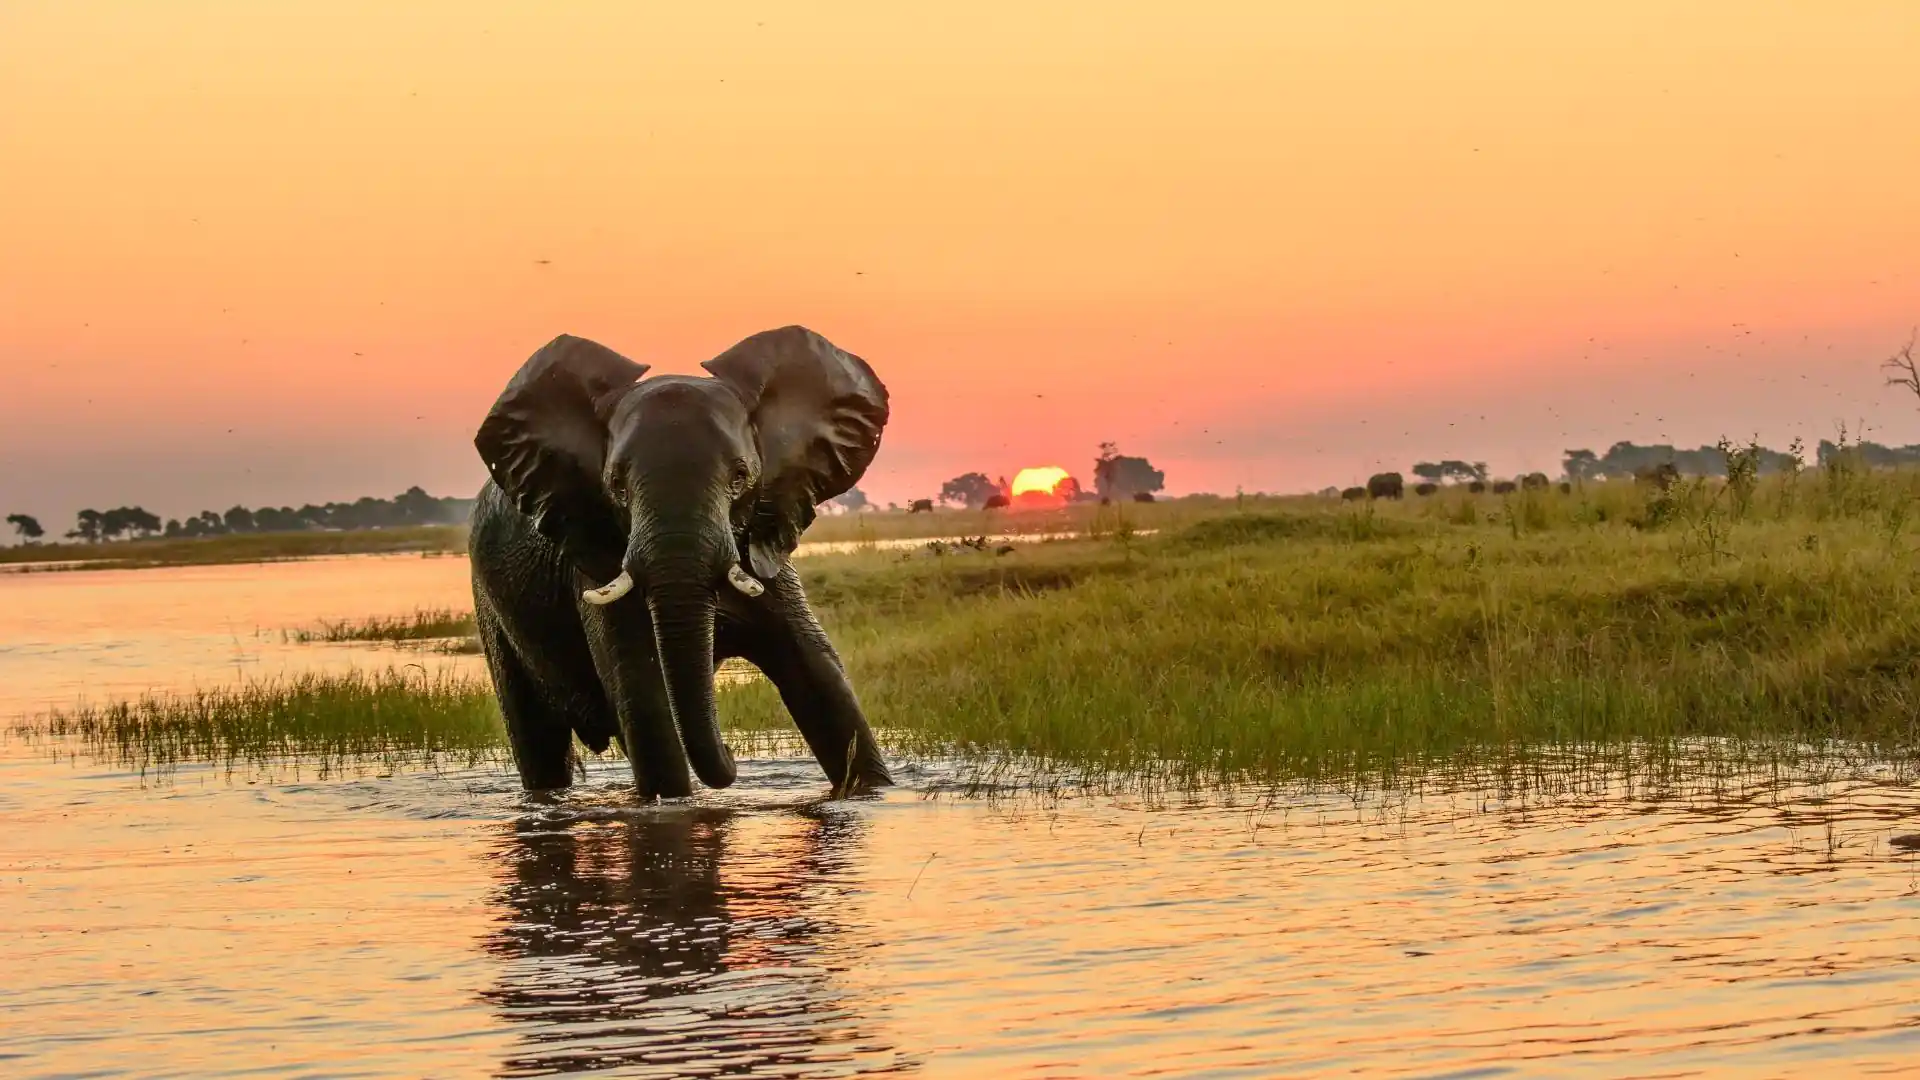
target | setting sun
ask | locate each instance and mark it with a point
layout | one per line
(1043, 480)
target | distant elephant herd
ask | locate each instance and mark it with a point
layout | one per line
(1391, 486)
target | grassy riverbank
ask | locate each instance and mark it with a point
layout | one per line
(235, 548)
(1336, 642)
(1346, 642)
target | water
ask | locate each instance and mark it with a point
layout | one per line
(99, 634)
(446, 924)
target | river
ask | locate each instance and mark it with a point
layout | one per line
(442, 923)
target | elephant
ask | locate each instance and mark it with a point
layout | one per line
(686, 496)
(1534, 480)
(995, 502)
(1143, 496)
(1566, 487)
(1425, 488)
(1386, 485)
(1353, 494)
(1476, 487)
(921, 506)
(1662, 476)
(1504, 487)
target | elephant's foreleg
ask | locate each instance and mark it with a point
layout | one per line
(541, 738)
(629, 667)
(796, 656)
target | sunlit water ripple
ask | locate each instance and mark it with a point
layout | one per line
(449, 925)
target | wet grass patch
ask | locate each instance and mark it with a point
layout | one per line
(393, 718)
(425, 624)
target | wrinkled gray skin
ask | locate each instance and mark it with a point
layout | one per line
(673, 480)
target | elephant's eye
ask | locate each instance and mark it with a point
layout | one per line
(741, 476)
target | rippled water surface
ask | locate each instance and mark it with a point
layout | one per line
(413, 925)
(446, 925)
(100, 634)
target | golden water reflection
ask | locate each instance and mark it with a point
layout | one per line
(695, 940)
(448, 924)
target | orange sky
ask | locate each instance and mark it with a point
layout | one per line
(290, 252)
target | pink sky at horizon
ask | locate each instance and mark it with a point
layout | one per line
(289, 254)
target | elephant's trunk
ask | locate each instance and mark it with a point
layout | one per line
(681, 574)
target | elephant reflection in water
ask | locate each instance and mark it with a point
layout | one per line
(637, 940)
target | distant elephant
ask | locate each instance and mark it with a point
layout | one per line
(995, 502)
(1353, 494)
(1425, 488)
(1386, 485)
(1566, 487)
(691, 493)
(1143, 496)
(921, 506)
(1504, 487)
(1534, 480)
(1476, 487)
(1663, 475)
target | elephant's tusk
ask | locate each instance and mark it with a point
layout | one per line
(744, 581)
(611, 591)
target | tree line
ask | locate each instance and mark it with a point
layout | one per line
(411, 507)
(1625, 460)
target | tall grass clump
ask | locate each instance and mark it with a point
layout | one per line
(425, 624)
(395, 717)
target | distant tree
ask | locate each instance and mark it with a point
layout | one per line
(26, 526)
(86, 527)
(1116, 476)
(205, 523)
(971, 490)
(1068, 489)
(173, 529)
(128, 521)
(1872, 455)
(238, 519)
(1902, 368)
(113, 523)
(852, 500)
(1581, 465)
(1452, 470)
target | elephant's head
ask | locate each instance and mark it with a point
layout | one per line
(681, 484)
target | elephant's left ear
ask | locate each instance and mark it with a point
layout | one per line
(818, 413)
(545, 444)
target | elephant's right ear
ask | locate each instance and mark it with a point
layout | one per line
(545, 444)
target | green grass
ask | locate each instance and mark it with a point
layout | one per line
(242, 548)
(1336, 643)
(1700, 628)
(393, 718)
(425, 624)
